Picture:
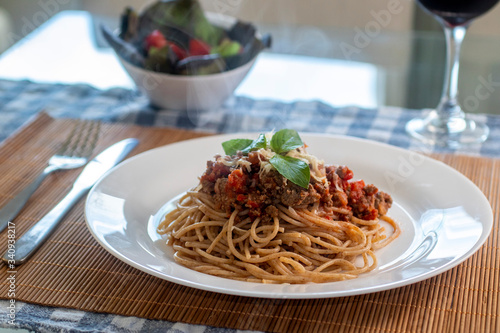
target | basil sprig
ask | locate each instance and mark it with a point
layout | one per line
(285, 140)
(293, 169)
(231, 147)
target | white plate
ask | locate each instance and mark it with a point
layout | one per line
(444, 217)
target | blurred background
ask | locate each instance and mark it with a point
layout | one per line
(399, 47)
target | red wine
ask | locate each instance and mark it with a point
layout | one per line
(458, 12)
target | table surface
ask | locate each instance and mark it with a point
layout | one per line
(308, 93)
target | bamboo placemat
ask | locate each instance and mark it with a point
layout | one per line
(71, 270)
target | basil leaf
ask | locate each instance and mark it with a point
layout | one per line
(232, 146)
(285, 140)
(293, 169)
(260, 142)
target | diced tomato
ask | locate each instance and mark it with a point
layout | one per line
(155, 39)
(252, 204)
(357, 185)
(344, 173)
(372, 214)
(241, 197)
(237, 181)
(198, 47)
(179, 52)
(356, 190)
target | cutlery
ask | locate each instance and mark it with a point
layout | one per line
(30, 241)
(73, 153)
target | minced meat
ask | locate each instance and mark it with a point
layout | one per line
(236, 187)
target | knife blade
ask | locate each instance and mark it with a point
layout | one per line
(30, 241)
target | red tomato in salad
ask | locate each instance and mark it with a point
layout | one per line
(155, 39)
(198, 47)
(179, 52)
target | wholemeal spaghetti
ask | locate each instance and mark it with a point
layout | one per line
(247, 221)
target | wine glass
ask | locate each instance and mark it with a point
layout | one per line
(448, 125)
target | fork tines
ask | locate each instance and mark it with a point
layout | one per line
(82, 139)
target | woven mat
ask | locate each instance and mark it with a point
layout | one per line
(71, 270)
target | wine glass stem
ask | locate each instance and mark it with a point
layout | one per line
(448, 107)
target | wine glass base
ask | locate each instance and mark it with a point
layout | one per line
(454, 133)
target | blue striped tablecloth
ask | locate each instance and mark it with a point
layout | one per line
(20, 100)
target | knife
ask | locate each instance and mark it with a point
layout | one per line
(30, 241)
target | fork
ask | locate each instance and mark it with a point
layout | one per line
(73, 153)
